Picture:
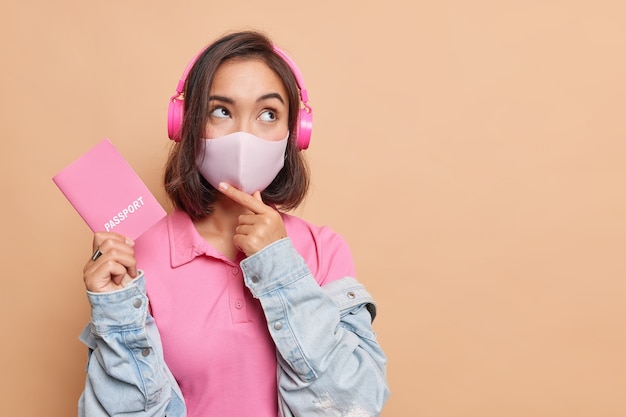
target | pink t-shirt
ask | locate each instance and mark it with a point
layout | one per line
(214, 333)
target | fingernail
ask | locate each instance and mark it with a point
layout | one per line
(130, 242)
(223, 186)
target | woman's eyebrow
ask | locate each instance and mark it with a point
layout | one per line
(271, 95)
(222, 98)
(263, 97)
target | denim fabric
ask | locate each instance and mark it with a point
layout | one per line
(329, 363)
(126, 373)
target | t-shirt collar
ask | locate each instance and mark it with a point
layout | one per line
(185, 242)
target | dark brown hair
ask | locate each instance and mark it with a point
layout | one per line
(184, 184)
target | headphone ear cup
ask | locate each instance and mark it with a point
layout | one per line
(305, 126)
(174, 119)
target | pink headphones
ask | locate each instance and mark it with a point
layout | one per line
(305, 116)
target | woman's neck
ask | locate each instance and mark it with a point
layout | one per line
(218, 228)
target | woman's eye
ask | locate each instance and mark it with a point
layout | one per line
(268, 116)
(219, 112)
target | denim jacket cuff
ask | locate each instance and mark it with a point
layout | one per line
(123, 309)
(273, 267)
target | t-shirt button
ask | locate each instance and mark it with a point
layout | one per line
(238, 304)
(235, 271)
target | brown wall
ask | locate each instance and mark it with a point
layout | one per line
(472, 153)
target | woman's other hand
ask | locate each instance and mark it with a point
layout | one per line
(262, 226)
(113, 264)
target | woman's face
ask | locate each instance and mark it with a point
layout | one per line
(247, 96)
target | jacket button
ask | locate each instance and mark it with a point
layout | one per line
(145, 352)
(137, 303)
(255, 279)
(351, 294)
(278, 325)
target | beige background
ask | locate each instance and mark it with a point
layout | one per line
(472, 153)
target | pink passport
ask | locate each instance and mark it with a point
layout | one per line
(108, 194)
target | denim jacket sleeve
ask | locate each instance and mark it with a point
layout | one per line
(126, 373)
(330, 363)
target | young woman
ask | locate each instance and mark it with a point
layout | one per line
(252, 311)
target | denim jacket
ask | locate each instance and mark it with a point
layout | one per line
(329, 363)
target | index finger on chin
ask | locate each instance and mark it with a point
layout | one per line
(248, 201)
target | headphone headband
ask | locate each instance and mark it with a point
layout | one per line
(304, 123)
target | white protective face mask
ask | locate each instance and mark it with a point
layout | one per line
(242, 160)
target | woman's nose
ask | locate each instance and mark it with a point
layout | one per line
(244, 125)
